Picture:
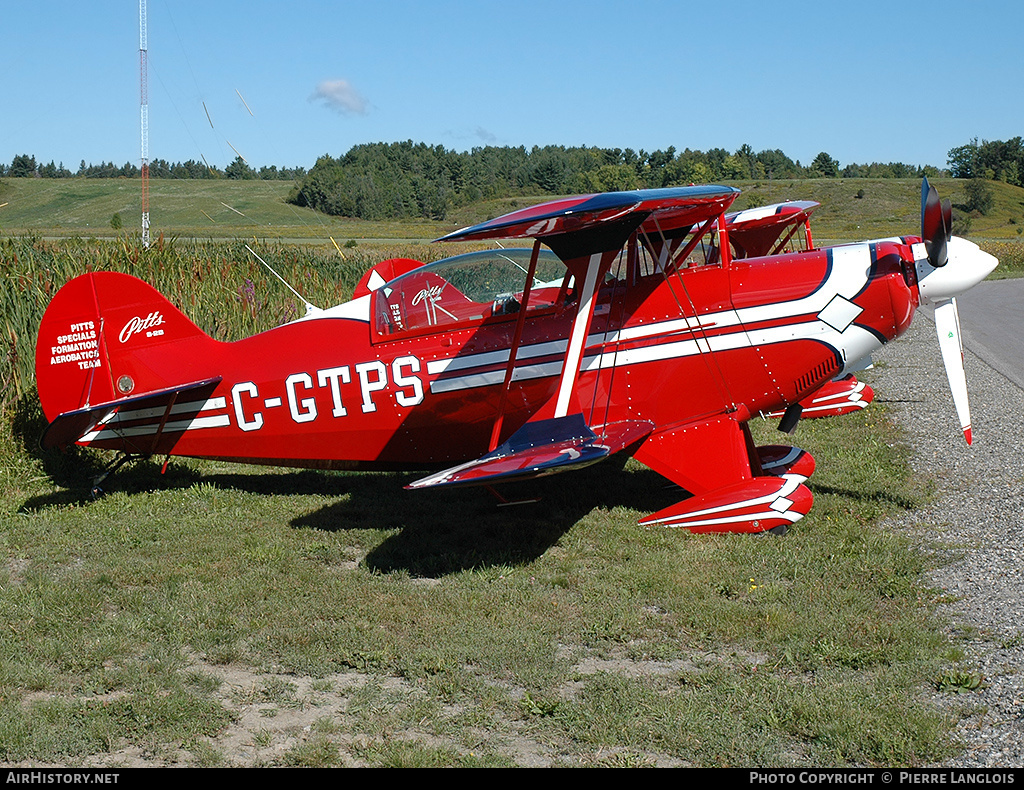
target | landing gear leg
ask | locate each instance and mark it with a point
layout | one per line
(96, 491)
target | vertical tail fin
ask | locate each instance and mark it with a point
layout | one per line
(108, 336)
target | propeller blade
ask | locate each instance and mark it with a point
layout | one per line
(927, 190)
(947, 328)
(936, 221)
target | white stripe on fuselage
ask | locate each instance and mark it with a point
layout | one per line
(848, 275)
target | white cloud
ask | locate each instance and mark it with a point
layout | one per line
(340, 96)
(485, 134)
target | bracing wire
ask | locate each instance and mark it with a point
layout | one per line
(310, 308)
(709, 356)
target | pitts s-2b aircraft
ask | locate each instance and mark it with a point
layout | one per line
(650, 323)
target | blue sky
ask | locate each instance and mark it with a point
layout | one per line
(284, 82)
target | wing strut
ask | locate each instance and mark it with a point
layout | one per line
(784, 240)
(630, 259)
(780, 245)
(516, 338)
(580, 328)
(724, 250)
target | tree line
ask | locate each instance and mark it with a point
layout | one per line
(993, 160)
(412, 180)
(26, 166)
(407, 180)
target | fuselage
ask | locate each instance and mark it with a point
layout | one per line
(374, 384)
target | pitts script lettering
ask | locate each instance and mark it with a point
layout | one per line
(433, 294)
(138, 325)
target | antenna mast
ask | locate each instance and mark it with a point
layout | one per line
(144, 95)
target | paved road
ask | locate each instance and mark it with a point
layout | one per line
(992, 322)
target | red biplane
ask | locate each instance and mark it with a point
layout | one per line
(650, 323)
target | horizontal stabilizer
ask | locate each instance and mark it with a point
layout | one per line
(541, 448)
(756, 505)
(72, 426)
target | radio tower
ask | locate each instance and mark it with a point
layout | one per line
(144, 94)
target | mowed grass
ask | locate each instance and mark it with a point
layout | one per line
(561, 622)
(851, 209)
(220, 209)
(453, 631)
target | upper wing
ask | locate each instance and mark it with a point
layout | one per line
(668, 208)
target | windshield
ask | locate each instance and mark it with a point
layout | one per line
(467, 288)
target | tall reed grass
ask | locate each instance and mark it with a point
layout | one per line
(218, 284)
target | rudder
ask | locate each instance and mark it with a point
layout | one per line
(107, 336)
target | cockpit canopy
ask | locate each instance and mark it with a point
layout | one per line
(468, 288)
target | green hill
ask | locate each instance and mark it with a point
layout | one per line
(850, 209)
(184, 208)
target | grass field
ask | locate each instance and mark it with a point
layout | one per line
(223, 615)
(225, 209)
(221, 209)
(226, 615)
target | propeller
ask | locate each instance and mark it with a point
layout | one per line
(936, 224)
(947, 328)
(951, 267)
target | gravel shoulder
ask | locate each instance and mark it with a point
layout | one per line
(977, 515)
